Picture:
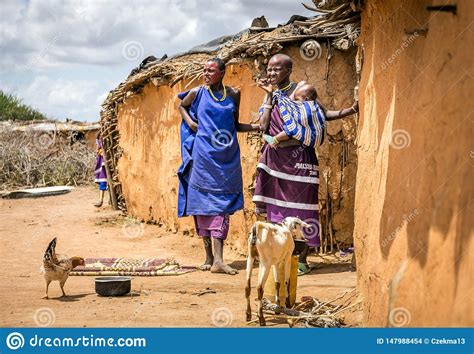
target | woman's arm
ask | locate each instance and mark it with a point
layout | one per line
(333, 115)
(184, 107)
(277, 139)
(241, 127)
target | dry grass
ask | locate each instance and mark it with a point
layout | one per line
(37, 159)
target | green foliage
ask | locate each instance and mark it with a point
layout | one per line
(11, 108)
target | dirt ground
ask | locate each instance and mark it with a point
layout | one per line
(27, 225)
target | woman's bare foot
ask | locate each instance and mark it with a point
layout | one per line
(205, 267)
(209, 259)
(220, 267)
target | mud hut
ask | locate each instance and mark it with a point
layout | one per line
(411, 214)
(68, 132)
(140, 120)
(414, 192)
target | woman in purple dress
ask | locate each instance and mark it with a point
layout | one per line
(288, 172)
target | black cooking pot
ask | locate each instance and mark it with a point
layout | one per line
(113, 286)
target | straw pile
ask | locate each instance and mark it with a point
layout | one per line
(311, 312)
(39, 159)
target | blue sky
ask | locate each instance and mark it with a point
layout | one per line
(62, 57)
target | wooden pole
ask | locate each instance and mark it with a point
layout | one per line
(113, 196)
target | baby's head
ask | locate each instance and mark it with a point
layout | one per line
(305, 92)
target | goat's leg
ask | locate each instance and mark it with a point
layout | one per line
(275, 269)
(250, 261)
(263, 272)
(287, 265)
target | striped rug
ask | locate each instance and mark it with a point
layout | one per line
(131, 267)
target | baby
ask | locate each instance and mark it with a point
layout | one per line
(304, 93)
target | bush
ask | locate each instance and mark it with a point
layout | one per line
(11, 108)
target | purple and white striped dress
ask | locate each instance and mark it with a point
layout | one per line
(287, 182)
(99, 171)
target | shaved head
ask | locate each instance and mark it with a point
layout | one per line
(306, 92)
(284, 59)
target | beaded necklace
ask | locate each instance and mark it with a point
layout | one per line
(287, 87)
(224, 94)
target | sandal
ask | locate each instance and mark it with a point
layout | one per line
(303, 269)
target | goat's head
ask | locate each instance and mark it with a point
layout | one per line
(295, 224)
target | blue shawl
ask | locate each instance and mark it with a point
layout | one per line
(303, 121)
(187, 136)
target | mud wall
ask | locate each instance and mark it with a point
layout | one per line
(90, 137)
(149, 137)
(414, 192)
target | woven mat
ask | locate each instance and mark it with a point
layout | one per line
(131, 267)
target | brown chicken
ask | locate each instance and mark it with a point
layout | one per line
(58, 267)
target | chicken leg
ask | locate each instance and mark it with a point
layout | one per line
(47, 286)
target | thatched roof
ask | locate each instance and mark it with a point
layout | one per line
(341, 25)
(336, 23)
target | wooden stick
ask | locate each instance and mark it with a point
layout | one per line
(109, 179)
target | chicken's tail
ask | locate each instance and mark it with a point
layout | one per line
(50, 254)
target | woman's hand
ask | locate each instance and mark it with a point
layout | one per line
(263, 84)
(271, 140)
(193, 126)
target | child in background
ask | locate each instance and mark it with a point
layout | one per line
(99, 171)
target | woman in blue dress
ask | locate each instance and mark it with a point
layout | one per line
(211, 174)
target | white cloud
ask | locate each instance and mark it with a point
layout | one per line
(63, 98)
(39, 38)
